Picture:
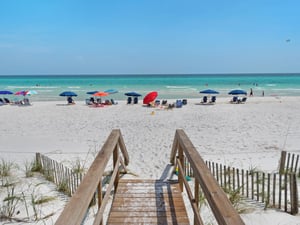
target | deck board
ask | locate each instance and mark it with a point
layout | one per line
(147, 202)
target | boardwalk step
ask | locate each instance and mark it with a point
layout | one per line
(147, 202)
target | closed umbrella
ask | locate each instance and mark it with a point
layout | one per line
(150, 97)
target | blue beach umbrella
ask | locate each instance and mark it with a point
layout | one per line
(237, 92)
(209, 91)
(133, 94)
(5, 92)
(111, 91)
(92, 92)
(68, 94)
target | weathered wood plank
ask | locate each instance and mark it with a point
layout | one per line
(147, 202)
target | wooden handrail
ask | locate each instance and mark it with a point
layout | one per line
(222, 209)
(75, 210)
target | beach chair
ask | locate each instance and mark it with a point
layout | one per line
(213, 99)
(135, 100)
(69, 100)
(164, 102)
(129, 100)
(157, 102)
(7, 101)
(243, 100)
(1, 101)
(178, 103)
(234, 99)
(204, 99)
(113, 102)
(184, 101)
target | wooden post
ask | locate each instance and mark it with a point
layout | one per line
(268, 189)
(296, 164)
(285, 192)
(233, 179)
(238, 180)
(257, 186)
(229, 177)
(293, 194)
(196, 194)
(243, 186)
(221, 175)
(115, 159)
(282, 162)
(292, 164)
(225, 182)
(180, 178)
(217, 172)
(279, 189)
(247, 183)
(99, 190)
(38, 160)
(263, 188)
(252, 185)
(274, 189)
(287, 167)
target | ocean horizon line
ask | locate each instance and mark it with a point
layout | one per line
(152, 74)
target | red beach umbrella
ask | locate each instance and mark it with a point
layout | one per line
(100, 94)
(150, 97)
(21, 93)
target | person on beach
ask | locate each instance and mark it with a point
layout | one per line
(251, 92)
(263, 93)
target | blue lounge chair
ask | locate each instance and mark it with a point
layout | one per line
(213, 99)
(129, 100)
(135, 100)
(234, 99)
(204, 100)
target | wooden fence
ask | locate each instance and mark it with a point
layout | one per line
(65, 178)
(289, 163)
(274, 190)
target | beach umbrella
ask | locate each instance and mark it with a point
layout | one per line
(5, 92)
(111, 91)
(100, 94)
(68, 94)
(91, 92)
(21, 93)
(209, 91)
(31, 92)
(133, 94)
(237, 92)
(150, 97)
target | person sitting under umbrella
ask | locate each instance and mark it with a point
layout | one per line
(70, 100)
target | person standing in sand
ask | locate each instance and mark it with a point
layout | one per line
(251, 92)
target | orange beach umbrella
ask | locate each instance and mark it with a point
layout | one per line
(100, 94)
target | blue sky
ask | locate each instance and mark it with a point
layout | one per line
(149, 36)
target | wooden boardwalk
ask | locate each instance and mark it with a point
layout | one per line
(148, 202)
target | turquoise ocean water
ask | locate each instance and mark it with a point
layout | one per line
(168, 86)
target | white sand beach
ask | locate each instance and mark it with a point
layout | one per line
(250, 135)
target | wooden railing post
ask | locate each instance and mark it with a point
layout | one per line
(99, 190)
(196, 196)
(181, 159)
(282, 162)
(115, 159)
